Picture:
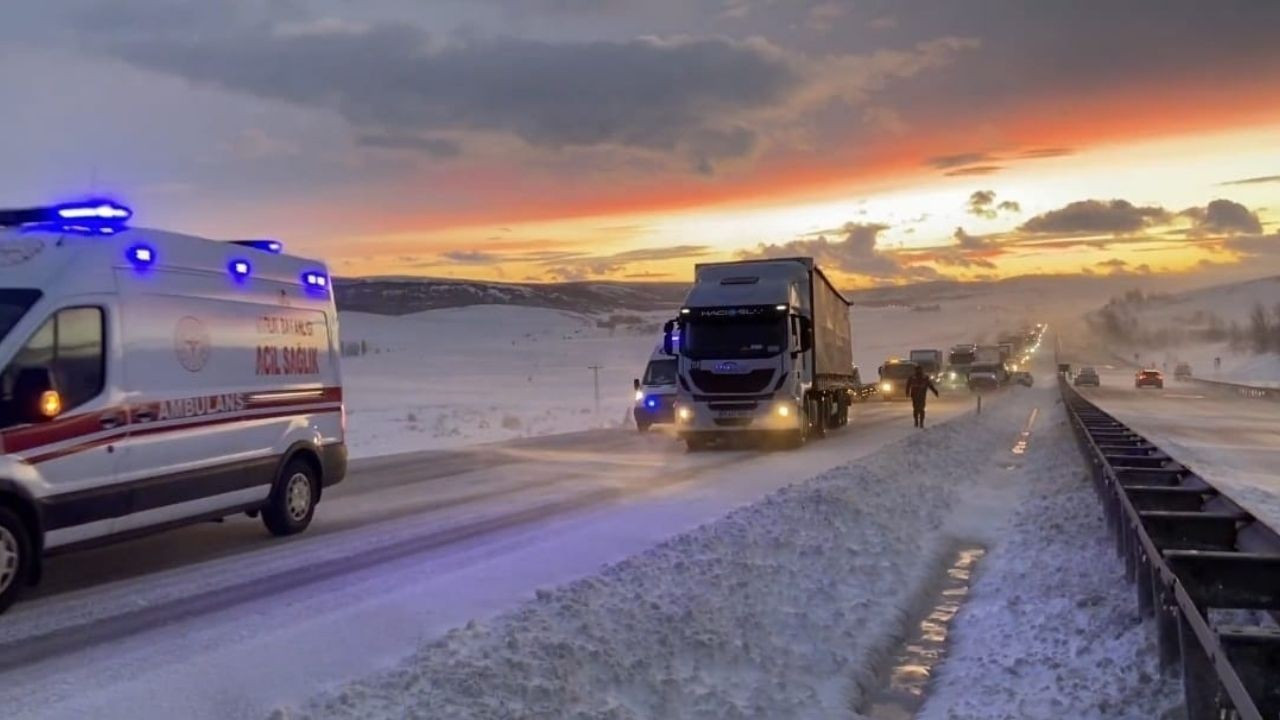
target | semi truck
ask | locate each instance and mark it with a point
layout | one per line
(959, 360)
(930, 360)
(765, 352)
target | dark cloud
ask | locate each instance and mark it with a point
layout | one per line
(1097, 216)
(983, 204)
(471, 257)
(966, 241)
(1253, 180)
(1114, 263)
(1225, 217)
(643, 93)
(946, 162)
(974, 170)
(1256, 245)
(959, 259)
(435, 147)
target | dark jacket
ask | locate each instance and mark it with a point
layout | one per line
(918, 387)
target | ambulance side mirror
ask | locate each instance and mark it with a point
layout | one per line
(34, 395)
(635, 384)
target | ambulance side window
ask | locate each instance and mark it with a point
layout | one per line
(71, 345)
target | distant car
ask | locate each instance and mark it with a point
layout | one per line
(1088, 376)
(1182, 371)
(1149, 378)
(1022, 377)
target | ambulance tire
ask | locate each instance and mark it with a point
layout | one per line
(293, 499)
(16, 551)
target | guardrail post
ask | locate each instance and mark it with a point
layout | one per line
(1199, 682)
(1167, 640)
(1146, 593)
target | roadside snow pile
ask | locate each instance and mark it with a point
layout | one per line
(1051, 628)
(781, 609)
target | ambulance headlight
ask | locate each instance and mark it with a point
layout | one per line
(639, 395)
(684, 414)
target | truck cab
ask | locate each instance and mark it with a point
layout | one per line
(893, 378)
(764, 351)
(656, 391)
(959, 360)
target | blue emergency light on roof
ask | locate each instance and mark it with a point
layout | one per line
(142, 256)
(239, 269)
(94, 210)
(316, 280)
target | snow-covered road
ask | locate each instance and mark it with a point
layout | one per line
(219, 621)
(1233, 442)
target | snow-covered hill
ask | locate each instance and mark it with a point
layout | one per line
(402, 296)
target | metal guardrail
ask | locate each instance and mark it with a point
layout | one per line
(1191, 553)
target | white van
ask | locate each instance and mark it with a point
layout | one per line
(656, 391)
(151, 379)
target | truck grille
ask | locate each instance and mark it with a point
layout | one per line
(751, 382)
(733, 405)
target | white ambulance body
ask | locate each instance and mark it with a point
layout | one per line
(152, 379)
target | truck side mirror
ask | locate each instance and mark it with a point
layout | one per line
(667, 345)
(34, 395)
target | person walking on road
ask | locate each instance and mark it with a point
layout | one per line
(918, 387)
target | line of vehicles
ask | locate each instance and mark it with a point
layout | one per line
(762, 350)
(1143, 378)
(152, 379)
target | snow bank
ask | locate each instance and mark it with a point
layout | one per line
(779, 609)
(1051, 628)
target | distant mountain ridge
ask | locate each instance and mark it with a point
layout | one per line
(402, 296)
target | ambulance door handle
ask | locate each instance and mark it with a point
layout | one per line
(110, 421)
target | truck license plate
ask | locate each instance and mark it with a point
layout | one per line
(736, 413)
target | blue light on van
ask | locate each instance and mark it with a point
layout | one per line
(239, 269)
(142, 256)
(315, 280)
(651, 403)
(271, 246)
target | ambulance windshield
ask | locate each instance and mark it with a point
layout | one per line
(14, 303)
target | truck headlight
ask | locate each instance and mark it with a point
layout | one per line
(639, 396)
(783, 410)
(886, 387)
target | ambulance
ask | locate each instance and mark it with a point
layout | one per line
(151, 379)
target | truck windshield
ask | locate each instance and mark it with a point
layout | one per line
(14, 303)
(961, 358)
(739, 338)
(899, 371)
(660, 372)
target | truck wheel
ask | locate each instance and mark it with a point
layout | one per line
(15, 557)
(293, 499)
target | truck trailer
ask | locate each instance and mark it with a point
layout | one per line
(765, 352)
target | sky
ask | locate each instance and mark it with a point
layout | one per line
(896, 141)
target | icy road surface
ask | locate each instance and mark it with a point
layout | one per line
(221, 621)
(1233, 442)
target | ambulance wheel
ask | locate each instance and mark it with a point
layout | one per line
(293, 499)
(15, 557)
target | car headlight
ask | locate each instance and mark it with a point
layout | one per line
(886, 387)
(639, 396)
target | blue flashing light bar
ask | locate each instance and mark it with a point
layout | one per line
(315, 280)
(94, 210)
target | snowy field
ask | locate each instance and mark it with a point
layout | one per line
(787, 607)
